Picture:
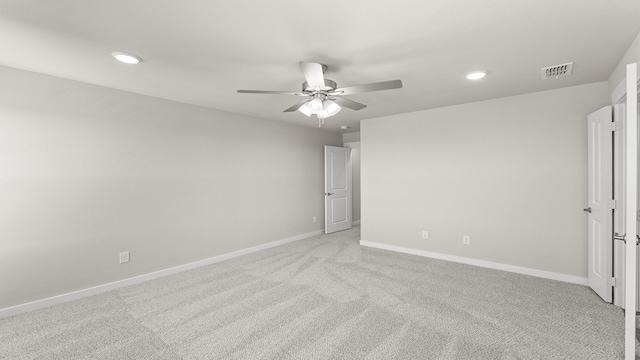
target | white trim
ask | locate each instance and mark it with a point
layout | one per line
(486, 264)
(352, 145)
(357, 222)
(631, 220)
(59, 299)
(620, 92)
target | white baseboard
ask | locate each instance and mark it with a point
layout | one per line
(59, 299)
(486, 264)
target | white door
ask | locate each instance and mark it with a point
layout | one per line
(337, 189)
(600, 202)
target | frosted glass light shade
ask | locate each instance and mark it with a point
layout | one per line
(331, 107)
(322, 114)
(315, 105)
(305, 109)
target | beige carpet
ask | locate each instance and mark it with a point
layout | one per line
(326, 298)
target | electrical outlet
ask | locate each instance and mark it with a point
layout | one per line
(315, 219)
(425, 234)
(466, 240)
(124, 257)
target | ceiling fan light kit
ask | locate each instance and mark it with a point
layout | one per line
(325, 97)
(321, 108)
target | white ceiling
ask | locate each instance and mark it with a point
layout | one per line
(201, 51)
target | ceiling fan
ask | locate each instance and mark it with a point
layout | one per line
(323, 97)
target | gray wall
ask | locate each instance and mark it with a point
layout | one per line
(353, 140)
(509, 172)
(355, 165)
(87, 172)
(351, 137)
(632, 55)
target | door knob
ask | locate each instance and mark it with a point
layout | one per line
(587, 209)
(328, 194)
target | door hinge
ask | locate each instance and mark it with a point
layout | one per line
(613, 204)
(612, 282)
(616, 125)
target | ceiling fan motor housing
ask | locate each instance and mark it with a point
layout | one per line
(329, 85)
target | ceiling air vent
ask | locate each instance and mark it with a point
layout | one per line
(554, 72)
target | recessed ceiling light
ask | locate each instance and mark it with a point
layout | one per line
(126, 57)
(476, 75)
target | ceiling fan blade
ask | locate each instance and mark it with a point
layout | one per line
(313, 74)
(296, 106)
(270, 92)
(384, 85)
(353, 105)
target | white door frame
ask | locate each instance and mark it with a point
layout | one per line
(619, 193)
(631, 213)
(619, 99)
(627, 93)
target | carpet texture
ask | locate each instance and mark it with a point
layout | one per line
(326, 297)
